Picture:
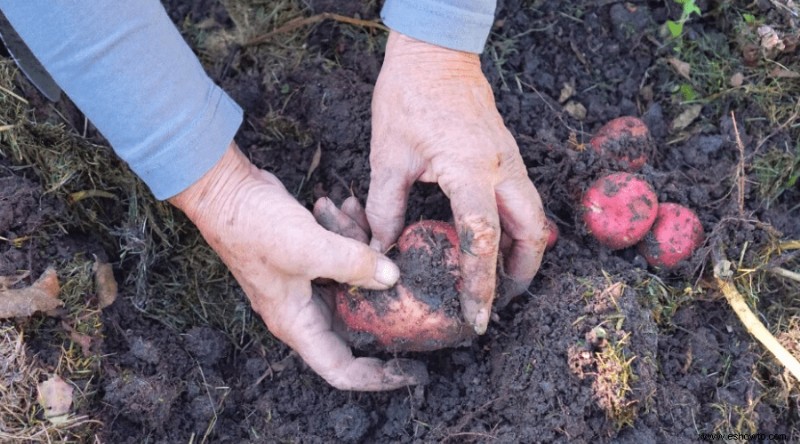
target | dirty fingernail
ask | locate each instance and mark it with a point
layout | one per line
(481, 321)
(410, 371)
(386, 272)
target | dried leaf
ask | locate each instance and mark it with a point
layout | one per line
(770, 40)
(55, 396)
(41, 296)
(576, 110)
(751, 54)
(686, 118)
(105, 284)
(85, 341)
(681, 67)
(314, 162)
(736, 80)
(783, 73)
(566, 92)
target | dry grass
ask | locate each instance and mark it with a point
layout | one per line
(167, 270)
(21, 417)
(766, 104)
(774, 300)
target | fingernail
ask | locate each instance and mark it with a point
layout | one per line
(481, 321)
(410, 371)
(386, 272)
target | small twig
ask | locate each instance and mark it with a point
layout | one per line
(13, 94)
(790, 245)
(740, 177)
(785, 273)
(783, 258)
(722, 275)
(300, 22)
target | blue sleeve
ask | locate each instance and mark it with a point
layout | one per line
(463, 25)
(126, 66)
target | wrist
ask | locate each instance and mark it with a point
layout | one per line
(215, 187)
(408, 50)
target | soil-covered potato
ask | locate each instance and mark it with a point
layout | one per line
(421, 312)
(619, 209)
(676, 234)
(625, 139)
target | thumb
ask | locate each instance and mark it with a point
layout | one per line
(386, 207)
(347, 260)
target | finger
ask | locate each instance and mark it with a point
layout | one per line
(506, 242)
(310, 335)
(477, 222)
(523, 220)
(350, 261)
(335, 220)
(386, 207)
(352, 207)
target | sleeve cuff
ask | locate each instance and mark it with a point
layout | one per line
(186, 160)
(460, 25)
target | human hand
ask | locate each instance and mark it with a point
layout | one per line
(434, 119)
(275, 248)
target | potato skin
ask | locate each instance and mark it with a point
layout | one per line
(619, 209)
(675, 235)
(552, 234)
(422, 312)
(420, 235)
(625, 139)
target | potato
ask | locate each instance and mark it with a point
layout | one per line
(422, 312)
(625, 139)
(619, 209)
(552, 234)
(675, 235)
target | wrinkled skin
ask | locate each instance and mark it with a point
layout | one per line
(435, 120)
(275, 248)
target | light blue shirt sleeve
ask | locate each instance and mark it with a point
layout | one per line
(126, 66)
(462, 25)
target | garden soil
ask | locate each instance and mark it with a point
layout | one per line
(583, 356)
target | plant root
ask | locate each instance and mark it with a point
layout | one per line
(291, 25)
(722, 276)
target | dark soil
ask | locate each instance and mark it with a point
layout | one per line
(551, 365)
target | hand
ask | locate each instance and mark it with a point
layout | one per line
(274, 248)
(434, 119)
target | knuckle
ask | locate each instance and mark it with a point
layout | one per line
(479, 236)
(339, 381)
(357, 263)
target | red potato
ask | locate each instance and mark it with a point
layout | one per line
(675, 235)
(552, 234)
(625, 139)
(422, 312)
(619, 209)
